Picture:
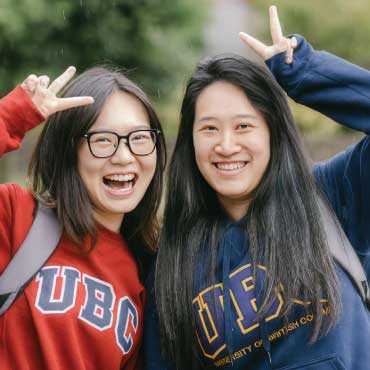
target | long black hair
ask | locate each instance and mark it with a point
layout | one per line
(53, 173)
(283, 220)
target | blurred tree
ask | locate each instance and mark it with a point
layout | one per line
(156, 41)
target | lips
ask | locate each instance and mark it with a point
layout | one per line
(230, 166)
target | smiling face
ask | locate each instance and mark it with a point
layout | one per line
(231, 143)
(117, 184)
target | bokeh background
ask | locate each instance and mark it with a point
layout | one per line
(158, 42)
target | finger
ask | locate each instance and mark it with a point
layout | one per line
(62, 80)
(29, 84)
(293, 42)
(277, 49)
(256, 45)
(275, 27)
(44, 81)
(289, 56)
(66, 103)
(288, 52)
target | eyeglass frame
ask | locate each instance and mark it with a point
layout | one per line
(126, 138)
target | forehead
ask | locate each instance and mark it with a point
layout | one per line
(122, 112)
(222, 99)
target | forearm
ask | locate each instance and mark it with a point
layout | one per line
(326, 83)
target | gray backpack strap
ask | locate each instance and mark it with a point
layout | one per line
(344, 254)
(38, 246)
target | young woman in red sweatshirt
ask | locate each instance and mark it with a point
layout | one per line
(98, 163)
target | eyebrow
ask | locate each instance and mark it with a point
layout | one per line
(240, 116)
(139, 127)
(129, 128)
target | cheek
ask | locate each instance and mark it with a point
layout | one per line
(201, 150)
(149, 165)
(265, 155)
(263, 148)
(87, 165)
(199, 158)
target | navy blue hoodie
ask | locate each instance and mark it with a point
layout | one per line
(227, 333)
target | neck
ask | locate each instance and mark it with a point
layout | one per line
(111, 221)
(235, 208)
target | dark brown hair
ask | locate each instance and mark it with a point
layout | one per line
(53, 174)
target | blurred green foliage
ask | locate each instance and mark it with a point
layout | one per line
(341, 27)
(155, 39)
(158, 42)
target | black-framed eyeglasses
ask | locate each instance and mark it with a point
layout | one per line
(104, 144)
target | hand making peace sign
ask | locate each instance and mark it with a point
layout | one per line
(280, 43)
(44, 96)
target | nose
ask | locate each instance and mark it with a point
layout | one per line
(123, 154)
(227, 144)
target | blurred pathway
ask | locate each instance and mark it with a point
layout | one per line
(227, 19)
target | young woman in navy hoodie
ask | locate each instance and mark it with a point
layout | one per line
(244, 276)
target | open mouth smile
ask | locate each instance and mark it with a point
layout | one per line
(119, 184)
(230, 166)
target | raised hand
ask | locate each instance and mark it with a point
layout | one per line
(44, 96)
(280, 43)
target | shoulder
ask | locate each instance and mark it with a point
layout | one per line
(15, 201)
(16, 216)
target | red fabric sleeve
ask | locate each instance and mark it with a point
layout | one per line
(18, 114)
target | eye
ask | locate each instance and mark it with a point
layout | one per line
(209, 128)
(102, 138)
(141, 136)
(243, 126)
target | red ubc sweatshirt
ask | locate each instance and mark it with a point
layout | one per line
(81, 311)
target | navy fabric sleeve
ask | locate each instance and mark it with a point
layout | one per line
(341, 91)
(326, 83)
(153, 359)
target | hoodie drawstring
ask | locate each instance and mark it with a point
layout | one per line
(262, 322)
(229, 336)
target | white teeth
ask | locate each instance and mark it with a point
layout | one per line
(126, 177)
(230, 166)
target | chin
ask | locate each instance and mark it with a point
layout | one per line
(124, 209)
